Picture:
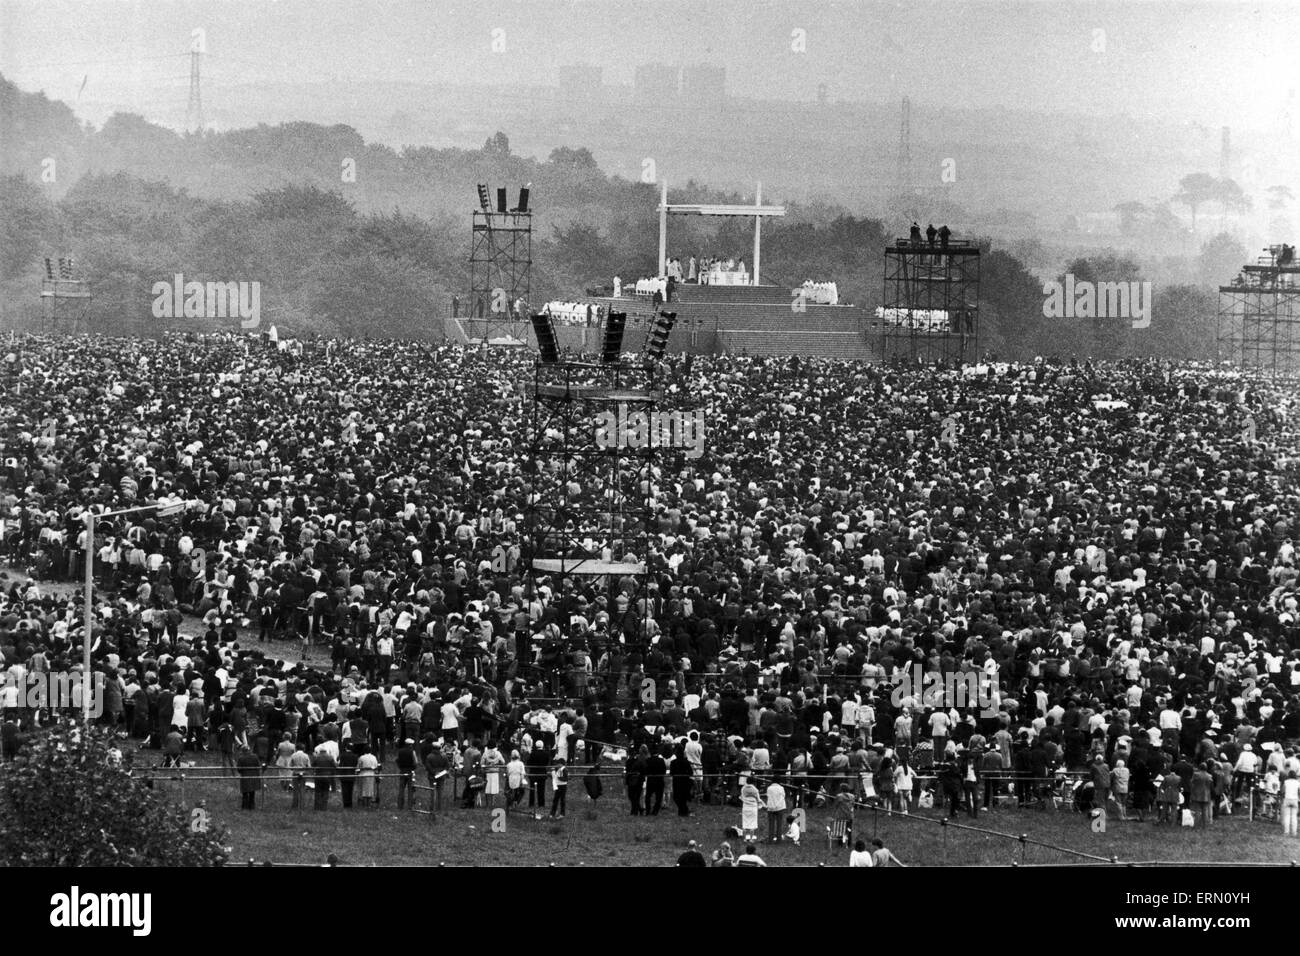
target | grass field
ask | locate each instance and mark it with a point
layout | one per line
(605, 834)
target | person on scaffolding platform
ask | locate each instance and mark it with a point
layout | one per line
(944, 233)
(930, 233)
(915, 234)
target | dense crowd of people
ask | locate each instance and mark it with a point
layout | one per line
(1110, 545)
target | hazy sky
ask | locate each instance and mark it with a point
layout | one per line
(1213, 63)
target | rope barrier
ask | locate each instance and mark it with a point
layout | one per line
(943, 822)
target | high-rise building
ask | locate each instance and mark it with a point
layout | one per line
(704, 83)
(580, 81)
(656, 82)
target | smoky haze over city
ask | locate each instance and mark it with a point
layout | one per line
(1041, 105)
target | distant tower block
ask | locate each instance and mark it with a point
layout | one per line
(903, 177)
(194, 108)
(65, 299)
(931, 304)
(1259, 316)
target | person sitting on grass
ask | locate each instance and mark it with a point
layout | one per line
(792, 831)
(882, 855)
(750, 857)
(860, 856)
(692, 856)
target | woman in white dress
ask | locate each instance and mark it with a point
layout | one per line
(750, 803)
(493, 765)
(515, 778)
(903, 780)
(367, 766)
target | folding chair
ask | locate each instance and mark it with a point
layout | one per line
(837, 833)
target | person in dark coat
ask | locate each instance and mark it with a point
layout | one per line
(634, 777)
(348, 759)
(539, 765)
(591, 782)
(1142, 785)
(324, 766)
(249, 769)
(656, 770)
(683, 781)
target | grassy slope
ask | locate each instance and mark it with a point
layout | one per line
(606, 835)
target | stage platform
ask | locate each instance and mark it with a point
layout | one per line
(588, 566)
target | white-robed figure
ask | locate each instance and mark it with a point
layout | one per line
(751, 801)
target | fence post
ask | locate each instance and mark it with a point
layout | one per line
(182, 779)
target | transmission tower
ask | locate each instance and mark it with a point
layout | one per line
(903, 181)
(194, 109)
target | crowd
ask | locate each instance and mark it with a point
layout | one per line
(1124, 576)
(573, 313)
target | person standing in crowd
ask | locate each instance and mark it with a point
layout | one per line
(1201, 795)
(493, 770)
(775, 804)
(750, 803)
(539, 764)
(634, 779)
(324, 767)
(1290, 803)
(367, 767)
(656, 772)
(406, 765)
(516, 779)
(559, 787)
(683, 777)
(249, 769)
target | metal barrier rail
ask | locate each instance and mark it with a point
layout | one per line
(943, 822)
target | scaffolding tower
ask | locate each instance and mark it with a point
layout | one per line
(65, 299)
(500, 266)
(590, 508)
(1259, 316)
(931, 302)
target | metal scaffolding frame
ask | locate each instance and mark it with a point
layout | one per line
(590, 510)
(500, 273)
(65, 299)
(1259, 317)
(931, 302)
